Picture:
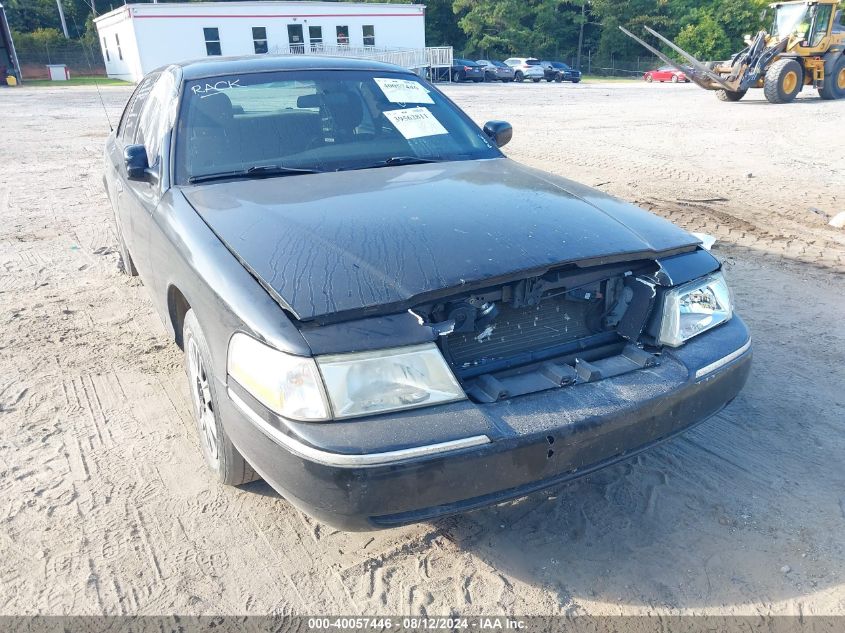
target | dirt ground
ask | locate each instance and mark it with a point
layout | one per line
(105, 505)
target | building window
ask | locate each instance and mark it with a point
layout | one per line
(117, 41)
(315, 34)
(343, 36)
(369, 35)
(106, 50)
(259, 39)
(212, 41)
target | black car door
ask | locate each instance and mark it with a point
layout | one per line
(116, 180)
(141, 197)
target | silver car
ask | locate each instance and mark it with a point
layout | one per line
(496, 71)
(526, 68)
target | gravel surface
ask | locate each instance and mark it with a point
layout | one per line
(105, 505)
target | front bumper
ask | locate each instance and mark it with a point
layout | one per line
(510, 448)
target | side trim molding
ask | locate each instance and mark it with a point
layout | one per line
(344, 460)
(723, 361)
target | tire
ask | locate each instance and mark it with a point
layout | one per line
(536, 81)
(576, 81)
(457, 78)
(477, 80)
(127, 265)
(674, 79)
(728, 95)
(518, 76)
(783, 81)
(558, 78)
(220, 455)
(649, 79)
(834, 86)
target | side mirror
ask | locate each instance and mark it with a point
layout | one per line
(135, 158)
(500, 131)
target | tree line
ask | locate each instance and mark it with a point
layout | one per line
(709, 29)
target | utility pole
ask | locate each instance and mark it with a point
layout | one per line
(62, 18)
(581, 33)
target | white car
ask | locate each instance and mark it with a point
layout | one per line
(526, 68)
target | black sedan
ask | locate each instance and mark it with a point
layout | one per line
(559, 71)
(383, 316)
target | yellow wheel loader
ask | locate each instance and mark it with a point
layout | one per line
(806, 47)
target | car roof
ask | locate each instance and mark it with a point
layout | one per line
(201, 68)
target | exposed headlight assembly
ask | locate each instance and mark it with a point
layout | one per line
(343, 385)
(286, 384)
(694, 308)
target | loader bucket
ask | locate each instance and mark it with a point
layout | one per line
(700, 73)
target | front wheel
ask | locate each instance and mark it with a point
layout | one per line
(221, 456)
(649, 79)
(518, 76)
(783, 81)
(729, 95)
(674, 79)
(536, 81)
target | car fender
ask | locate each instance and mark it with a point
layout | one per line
(226, 298)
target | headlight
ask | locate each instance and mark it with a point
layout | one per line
(352, 385)
(694, 308)
(388, 380)
(285, 384)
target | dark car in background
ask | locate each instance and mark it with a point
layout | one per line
(496, 71)
(382, 315)
(559, 71)
(467, 70)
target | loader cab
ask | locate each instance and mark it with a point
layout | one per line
(805, 24)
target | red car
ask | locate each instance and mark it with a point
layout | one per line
(666, 73)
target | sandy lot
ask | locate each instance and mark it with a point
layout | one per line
(105, 506)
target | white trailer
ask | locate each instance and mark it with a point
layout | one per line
(136, 38)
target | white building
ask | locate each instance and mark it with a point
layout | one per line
(136, 38)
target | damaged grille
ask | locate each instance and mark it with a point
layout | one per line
(553, 322)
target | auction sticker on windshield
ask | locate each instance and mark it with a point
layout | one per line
(403, 90)
(415, 122)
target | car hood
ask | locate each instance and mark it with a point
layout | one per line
(376, 240)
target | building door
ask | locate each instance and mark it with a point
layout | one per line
(295, 38)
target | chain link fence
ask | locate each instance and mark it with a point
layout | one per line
(631, 68)
(79, 57)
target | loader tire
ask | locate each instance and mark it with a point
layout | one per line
(729, 95)
(784, 81)
(834, 84)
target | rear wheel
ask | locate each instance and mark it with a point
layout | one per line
(834, 84)
(784, 81)
(729, 95)
(536, 81)
(125, 257)
(221, 456)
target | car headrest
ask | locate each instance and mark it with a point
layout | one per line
(344, 107)
(213, 110)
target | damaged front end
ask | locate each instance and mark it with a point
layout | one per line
(566, 326)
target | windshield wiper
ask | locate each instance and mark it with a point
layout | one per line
(400, 160)
(257, 171)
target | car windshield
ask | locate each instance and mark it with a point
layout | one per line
(561, 65)
(285, 123)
